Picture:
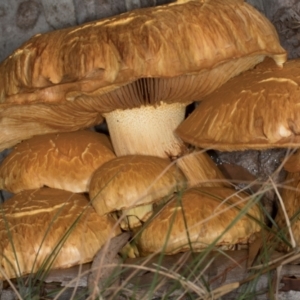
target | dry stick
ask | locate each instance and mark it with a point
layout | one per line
(291, 258)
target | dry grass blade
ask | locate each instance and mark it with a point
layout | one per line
(293, 242)
(278, 279)
(280, 260)
(17, 294)
(187, 284)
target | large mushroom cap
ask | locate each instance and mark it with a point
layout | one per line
(57, 160)
(205, 41)
(258, 109)
(38, 224)
(133, 181)
(198, 219)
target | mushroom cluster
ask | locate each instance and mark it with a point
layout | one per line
(139, 71)
(49, 221)
(258, 109)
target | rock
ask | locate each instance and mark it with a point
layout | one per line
(20, 20)
(59, 13)
(27, 14)
(262, 165)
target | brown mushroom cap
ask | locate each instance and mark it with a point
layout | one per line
(34, 222)
(258, 109)
(201, 213)
(133, 181)
(62, 160)
(140, 54)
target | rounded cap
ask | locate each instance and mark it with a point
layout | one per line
(204, 213)
(258, 109)
(133, 180)
(47, 223)
(62, 160)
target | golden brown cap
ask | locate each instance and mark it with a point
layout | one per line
(38, 224)
(201, 213)
(63, 160)
(258, 109)
(133, 180)
(79, 66)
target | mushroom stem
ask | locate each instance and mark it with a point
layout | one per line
(200, 170)
(134, 217)
(147, 130)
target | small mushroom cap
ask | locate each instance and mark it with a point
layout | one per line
(206, 41)
(34, 222)
(133, 180)
(258, 109)
(202, 214)
(59, 160)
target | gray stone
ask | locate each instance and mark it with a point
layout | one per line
(59, 13)
(27, 14)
